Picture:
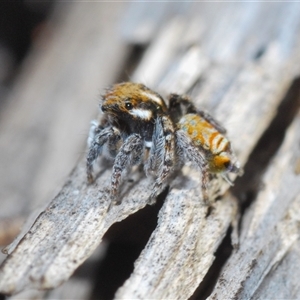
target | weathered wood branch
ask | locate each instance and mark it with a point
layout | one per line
(270, 232)
(183, 264)
(244, 92)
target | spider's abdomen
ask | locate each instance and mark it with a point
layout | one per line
(205, 136)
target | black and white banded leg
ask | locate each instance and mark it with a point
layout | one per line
(108, 136)
(130, 153)
(164, 154)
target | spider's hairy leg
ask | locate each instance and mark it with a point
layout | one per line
(95, 128)
(205, 115)
(181, 105)
(155, 156)
(187, 151)
(108, 135)
(164, 153)
(130, 154)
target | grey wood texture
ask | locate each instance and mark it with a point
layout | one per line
(239, 62)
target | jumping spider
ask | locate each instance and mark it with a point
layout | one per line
(137, 127)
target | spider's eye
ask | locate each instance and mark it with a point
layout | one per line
(128, 105)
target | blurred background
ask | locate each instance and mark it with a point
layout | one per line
(55, 59)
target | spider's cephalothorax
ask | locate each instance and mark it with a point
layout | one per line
(137, 127)
(133, 107)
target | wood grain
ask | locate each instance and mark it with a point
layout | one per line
(241, 72)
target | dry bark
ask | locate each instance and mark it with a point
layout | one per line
(244, 91)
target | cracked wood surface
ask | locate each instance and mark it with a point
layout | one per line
(270, 233)
(181, 249)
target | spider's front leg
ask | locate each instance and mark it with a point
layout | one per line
(130, 154)
(187, 151)
(162, 154)
(99, 137)
(156, 154)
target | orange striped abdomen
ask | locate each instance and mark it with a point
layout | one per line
(206, 136)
